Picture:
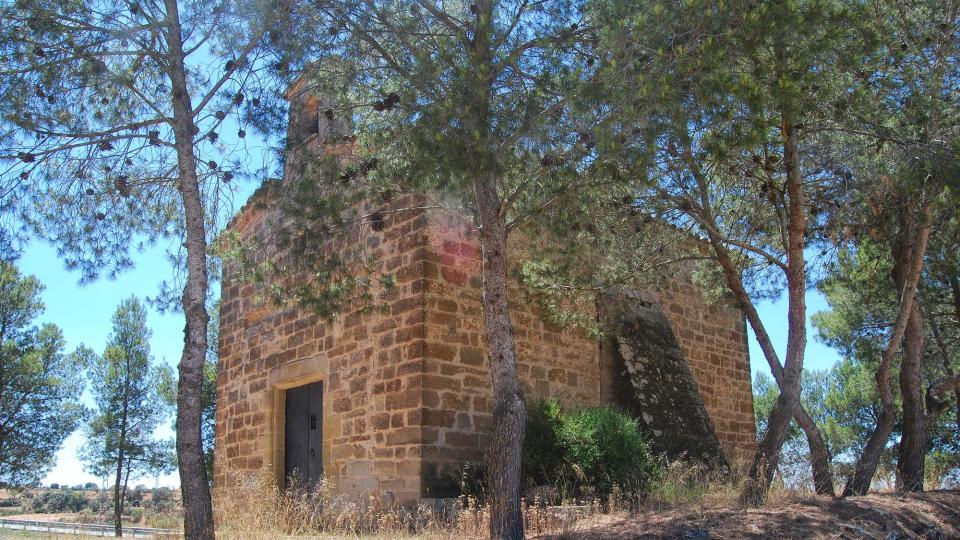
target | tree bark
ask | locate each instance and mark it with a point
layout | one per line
(913, 439)
(121, 447)
(910, 466)
(768, 449)
(197, 506)
(788, 404)
(117, 500)
(819, 456)
(509, 414)
(866, 467)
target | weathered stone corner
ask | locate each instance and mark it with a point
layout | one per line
(655, 383)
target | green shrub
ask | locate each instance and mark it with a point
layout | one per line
(103, 504)
(134, 497)
(136, 515)
(166, 520)
(161, 500)
(606, 447)
(586, 451)
(55, 502)
(542, 451)
(76, 501)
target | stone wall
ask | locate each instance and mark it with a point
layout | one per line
(370, 364)
(714, 341)
(552, 362)
(406, 389)
(713, 338)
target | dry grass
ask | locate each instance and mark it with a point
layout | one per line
(256, 508)
(687, 500)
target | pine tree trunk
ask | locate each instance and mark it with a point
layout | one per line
(866, 466)
(909, 258)
(768, 450)
(197, 506)
(820, 458)
(123, 492)
(509, 415)
(117, 499)
(910, 466)
(509, 412)
(767, 457)
(118, 495)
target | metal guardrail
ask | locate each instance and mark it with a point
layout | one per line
(90, 529)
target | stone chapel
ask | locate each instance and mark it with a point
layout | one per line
(394, 403)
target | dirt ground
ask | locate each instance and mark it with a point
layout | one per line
(60, 518)
(931, 515)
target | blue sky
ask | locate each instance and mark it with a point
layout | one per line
(83, 313)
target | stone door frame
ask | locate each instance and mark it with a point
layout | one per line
(291, 375)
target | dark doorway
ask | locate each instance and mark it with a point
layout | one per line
(303, 434)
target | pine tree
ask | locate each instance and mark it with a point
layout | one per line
(465, 102)
(112, 116)
(128, 407)
(39, 385)
(894, 138)
(714, 106)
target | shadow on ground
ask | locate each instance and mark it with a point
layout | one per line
(933, 515)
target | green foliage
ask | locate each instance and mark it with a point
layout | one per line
(57, 501)
(588, 450)
(606, 445)
(438, 97)
(87, 123)
(134, 497)
(542, 450)
(161, 500)
(120, 434)
(102, 503)
(40, 386)
(852, 406)
(843, 402)
(697, 93)
(765, 394)
(862, 300)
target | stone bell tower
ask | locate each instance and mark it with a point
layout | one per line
(316, 127)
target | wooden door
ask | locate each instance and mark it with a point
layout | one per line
(303, 434)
